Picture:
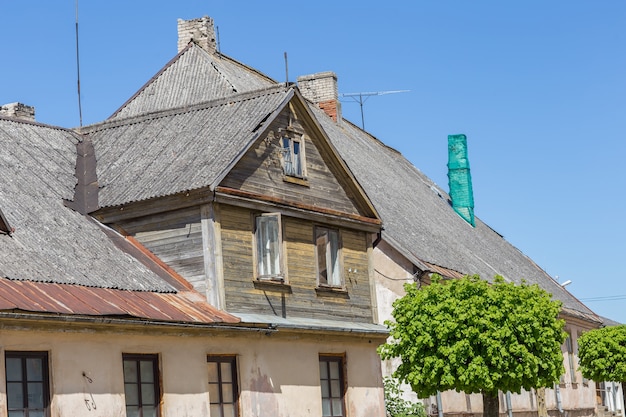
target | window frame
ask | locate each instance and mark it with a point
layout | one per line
(288, 153)
(25, 382)
(259, 257)
(337, 268)
(327, 359)
(234, 383)
(156, 381)
(571, 360)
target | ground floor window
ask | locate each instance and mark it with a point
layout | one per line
(28, 389)
(223, 389)
(141, 385)
(332, 385)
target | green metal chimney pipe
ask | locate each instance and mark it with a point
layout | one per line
(459, 178)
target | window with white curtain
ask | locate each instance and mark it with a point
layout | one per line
(268, 246)
(328, 257)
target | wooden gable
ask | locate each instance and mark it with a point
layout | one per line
(323, 184)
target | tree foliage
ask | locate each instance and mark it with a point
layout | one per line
(396, 406)
(473, 336)
(602, 354)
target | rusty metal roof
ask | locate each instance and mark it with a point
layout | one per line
(37, 297)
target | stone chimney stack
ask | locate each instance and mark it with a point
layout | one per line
(201, 31)
(18, 111)
(321, 89)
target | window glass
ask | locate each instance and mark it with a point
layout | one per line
(327, 245)
(28, 391)
(292, 157)
(331, 384)
(141, 392)
(223, 390)
(268, 246)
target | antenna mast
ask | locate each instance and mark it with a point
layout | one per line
(361, 98)
(80, 109)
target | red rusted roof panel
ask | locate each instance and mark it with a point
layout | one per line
(79, 300)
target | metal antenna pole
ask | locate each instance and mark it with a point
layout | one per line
(359, 98)
(80, 109)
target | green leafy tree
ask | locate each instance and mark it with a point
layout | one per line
(396, 406)
(602, 355)
(472, 336)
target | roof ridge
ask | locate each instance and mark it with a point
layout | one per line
(212, 60)
(239, 97)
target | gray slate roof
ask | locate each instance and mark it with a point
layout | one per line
(419, 221)
(178, 150)
(52, 243)
(193, 76)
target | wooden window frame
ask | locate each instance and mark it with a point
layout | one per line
(340, 383)
(25, 382)
(156, 381)
(234, 384)
(338, 267)
(288, 148)
(258, 256)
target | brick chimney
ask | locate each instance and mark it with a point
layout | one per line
(200, 30)
(18, 111)
(321, 89)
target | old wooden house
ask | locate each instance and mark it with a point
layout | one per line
(216, 248)
(203, 253)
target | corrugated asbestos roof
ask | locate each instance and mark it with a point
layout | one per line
(177, 150)
(192, 77)
(52, 243)
(61, 262)
(65, 299)
(417, 217)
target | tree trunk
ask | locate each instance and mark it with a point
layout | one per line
(542, 410)
(623, 398)
(491, 405)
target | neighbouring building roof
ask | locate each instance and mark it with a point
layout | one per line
(59, 261)
(193, 76)
(420, 222)
(180, 149)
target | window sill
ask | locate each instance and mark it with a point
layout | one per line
(337, 292)
(272, 285)
(296, 180)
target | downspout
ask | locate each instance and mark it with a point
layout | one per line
(509, 407)
(379, 237)
(439, 405)
(559, 402)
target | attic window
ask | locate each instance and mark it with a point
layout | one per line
(5, 227)
(293, 156)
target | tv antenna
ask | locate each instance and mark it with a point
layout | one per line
(361, 98)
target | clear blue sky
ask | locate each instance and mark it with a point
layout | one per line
(537, 86)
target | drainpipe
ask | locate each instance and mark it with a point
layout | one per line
(439, 406)
(559, 402)
(509, 408)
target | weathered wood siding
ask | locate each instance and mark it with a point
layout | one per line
(260, 171)
(176, 238)
(299, 298)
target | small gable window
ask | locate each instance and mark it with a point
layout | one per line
(328, 257)
(268, 246)
(293, 156)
